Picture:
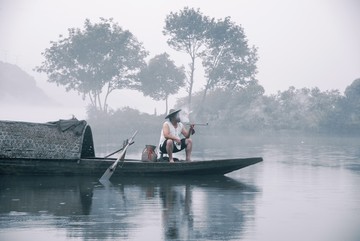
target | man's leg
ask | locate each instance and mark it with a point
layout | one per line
(169, 149)
(188, 149)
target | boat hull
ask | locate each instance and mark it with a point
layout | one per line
(97, 166)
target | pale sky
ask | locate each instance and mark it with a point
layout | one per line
(304, 43)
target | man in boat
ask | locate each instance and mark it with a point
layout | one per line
(170, 141)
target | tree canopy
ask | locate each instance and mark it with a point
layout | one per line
(228, 60)
(352, 93)
(161, 78)
(94, 60)
(187, 33)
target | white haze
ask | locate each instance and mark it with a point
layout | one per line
(300, 43)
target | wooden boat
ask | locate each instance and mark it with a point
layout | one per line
(97, 166)
(66, 147)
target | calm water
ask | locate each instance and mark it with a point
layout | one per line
(306, 189)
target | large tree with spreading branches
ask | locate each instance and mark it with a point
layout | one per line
(186, 32)
(229, 62)
(94, 61)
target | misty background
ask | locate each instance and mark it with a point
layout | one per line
(308, 56)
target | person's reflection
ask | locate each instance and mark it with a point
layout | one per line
(177, 220)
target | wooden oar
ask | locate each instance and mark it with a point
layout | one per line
(113, 153)
(124, 144)
(111, 169)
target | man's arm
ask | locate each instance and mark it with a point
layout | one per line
(187, 133)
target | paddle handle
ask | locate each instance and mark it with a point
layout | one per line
(122, 154)
(113, 153)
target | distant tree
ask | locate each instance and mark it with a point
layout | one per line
(305, 109)
(187, 33)
(352, 105)
(161, 78)
(228, 60)
(352, 93)
(100, 58)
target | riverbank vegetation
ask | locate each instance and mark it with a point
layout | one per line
(249, 109)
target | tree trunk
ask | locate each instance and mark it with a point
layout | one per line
(92, 101)
(202, 105)
(205, 93)
(99, 100)
(191, 82)
(106, 97)
(166, 104)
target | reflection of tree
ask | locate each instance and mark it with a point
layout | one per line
(222, 216)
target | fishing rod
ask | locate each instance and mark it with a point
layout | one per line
(197, 124)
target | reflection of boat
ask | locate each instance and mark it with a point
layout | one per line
(53, 195)
(66, 147)
(214, 182)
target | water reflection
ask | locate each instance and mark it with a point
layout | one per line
(58, 196)
(188, 208)
(306, 189)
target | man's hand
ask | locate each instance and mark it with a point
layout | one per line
(178, 141)
(192, 130)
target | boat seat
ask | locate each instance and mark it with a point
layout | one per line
(161, 157)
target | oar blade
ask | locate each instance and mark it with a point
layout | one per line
(107, 174)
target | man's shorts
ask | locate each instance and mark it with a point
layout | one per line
(175, 148)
